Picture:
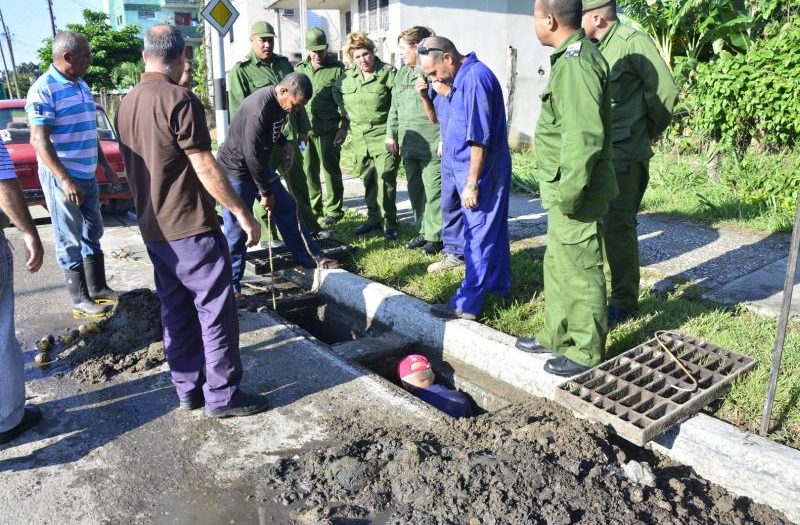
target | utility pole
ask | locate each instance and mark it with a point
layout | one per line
(5, 67)
(10, 52)
(52, 18)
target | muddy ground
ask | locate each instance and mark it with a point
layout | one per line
(526, 464)
(129, 340)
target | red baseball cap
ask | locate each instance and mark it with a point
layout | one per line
(412, 364)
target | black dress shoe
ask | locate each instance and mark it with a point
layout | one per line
(247, 405)
(193, 402)
(416, 242)
(432, 247)
(617, 316)
(364, 228)
(30, 418)
(444, 311)
(330, 220)
(532, 346)
(390, 235)
(561, 366)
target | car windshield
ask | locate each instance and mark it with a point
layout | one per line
(14, 126)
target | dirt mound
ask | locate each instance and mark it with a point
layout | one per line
(129, 340)
(528, 464)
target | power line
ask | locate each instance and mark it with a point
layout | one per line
(10, 51)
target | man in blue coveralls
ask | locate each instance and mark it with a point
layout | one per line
(476, 172)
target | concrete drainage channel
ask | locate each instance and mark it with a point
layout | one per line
(372, 326)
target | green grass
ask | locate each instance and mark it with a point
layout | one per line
(757, 192)
(683, 311)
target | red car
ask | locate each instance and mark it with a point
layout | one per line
(16, 135)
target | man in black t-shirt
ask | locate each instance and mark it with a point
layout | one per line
(255, 130)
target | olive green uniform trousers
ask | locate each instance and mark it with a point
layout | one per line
(379, 175)
(425, 192)
(575, 311)
(322, 155)
(621, 239)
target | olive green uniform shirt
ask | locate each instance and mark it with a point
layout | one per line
(251, 74)
(573, 136)
(322, 109)
(643, 91)
(408, 124)
(366, 103)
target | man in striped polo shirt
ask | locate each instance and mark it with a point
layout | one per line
(63, 122)
(15, 417)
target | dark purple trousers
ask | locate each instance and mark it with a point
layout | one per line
(198, 311)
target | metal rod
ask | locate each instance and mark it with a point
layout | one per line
(783, 321)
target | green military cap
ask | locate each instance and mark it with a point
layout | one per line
(588, 5)
(262, 29)
(315, 39)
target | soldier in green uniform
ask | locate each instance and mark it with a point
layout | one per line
(365, 95)
(415, 136)
(326, 123)
(576, 180)
(643, 96)
(261, 67)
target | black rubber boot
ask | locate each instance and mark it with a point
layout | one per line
(82, 304)
(95, 268)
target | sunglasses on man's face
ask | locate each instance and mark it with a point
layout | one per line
(424, 50)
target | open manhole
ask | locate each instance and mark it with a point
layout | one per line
(644, 392)
(484, 392)
(282, 259)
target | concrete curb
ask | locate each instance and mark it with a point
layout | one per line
(746, 464)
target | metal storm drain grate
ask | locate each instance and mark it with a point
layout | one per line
(258, 260)
(644, 391)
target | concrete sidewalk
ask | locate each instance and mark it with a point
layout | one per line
(729, 265)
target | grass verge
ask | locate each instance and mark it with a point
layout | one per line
(682, 310)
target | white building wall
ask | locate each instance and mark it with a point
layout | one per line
(489, 27)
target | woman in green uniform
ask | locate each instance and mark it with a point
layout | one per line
(364, 94)
(411, 133)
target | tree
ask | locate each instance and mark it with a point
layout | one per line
(110, 48)
(127, 74)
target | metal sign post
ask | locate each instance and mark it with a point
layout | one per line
(221, 15)
(783, 321)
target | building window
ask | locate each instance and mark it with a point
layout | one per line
(119, 20)
(384, 12)
(147, 15)
(373, 14)
(348, 23)
(183, 19)
(362, 16)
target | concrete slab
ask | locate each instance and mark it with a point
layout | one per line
(743, 463)
(121, 453)
(762, 290)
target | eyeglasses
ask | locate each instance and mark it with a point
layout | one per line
(423, 50)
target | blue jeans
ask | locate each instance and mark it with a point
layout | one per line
(286, 220)
(12, 368)
(77, 229)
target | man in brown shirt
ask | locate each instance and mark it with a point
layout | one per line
(166, 146)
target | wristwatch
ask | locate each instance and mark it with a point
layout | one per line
(471, 186)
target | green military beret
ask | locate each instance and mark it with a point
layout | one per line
(588, 5)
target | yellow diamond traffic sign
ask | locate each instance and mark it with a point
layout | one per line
(221, 15)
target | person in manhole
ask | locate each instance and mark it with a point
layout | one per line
(254, 132)
(643, 95)
(166, 146)
(476, 175)
(576, 180)
(417, 376)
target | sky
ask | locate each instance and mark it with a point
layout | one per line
(29, 23)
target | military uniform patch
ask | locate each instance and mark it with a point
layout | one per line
(573, 50)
